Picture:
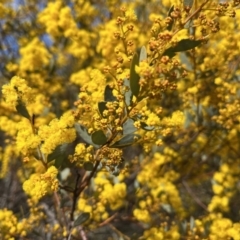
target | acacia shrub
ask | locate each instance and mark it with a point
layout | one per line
(119, 120)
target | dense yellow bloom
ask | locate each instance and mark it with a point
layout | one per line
(224, 187)
(26, 141)
(17, 90)
(176, 120)
(8, 125)
(159, 233)
(219, 203)
(114, 195)
(8, 224)
(11, 227)
(153, 120)
(52, 20)
(234, 231)
(35, 56)
(83, 206)
(84, 11)
(58, 131)
(144, 70)
(82, 154)
(38, 185)
(217, 189)
(142, 215)
(130, 15)
(219, 229)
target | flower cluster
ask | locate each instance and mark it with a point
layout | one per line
(57, 19)
(92, 84)
(98, 210)
(10, 227)
(109, 194)
(223, 228)
(38, 185)
(82, 154)
(223, 187)
(161, 233)
(17, 90)
(58, 131)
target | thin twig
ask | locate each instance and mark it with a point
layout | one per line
(193, 14)
(108, 220)
(75, 196)
(119, 233)
(82, 233)
(196, 199)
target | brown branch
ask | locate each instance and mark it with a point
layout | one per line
(108, 220)
(78, 190)
(193, 14)
(88, 179)
(195, 198)
(75, 197)
(119, 233)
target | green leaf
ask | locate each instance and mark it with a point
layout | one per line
(88, 166)
(188, 3)
(59, 150)
(183, 227)
(146, 127)
(189, 118)
(99, 137)
(81, 219)
(134, 77)
(128, 95)
(182, 45)
(169, 53)
(167, 207)
(126, 140)
(143, 54)
(58, 161)
(83, 133)
(169, 28)
(22, 110)
(128, 127)
(108, 94)
(192, 223)
(58, 155)
(101, 107)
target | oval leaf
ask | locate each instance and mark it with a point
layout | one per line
(146, 127)
(128, 95)
(169, 27)
(83, 133)
(183, 45)
(188, 3)
(192, 223)
(128, 127)
(101, 107)
(134, 77)
(58, 152)
(81, 219)
(22, 110)
(88, 166)
(99, 137)
(183, 227)
(143, 54)
(167, 208)
(108, 94)
(127, 140)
